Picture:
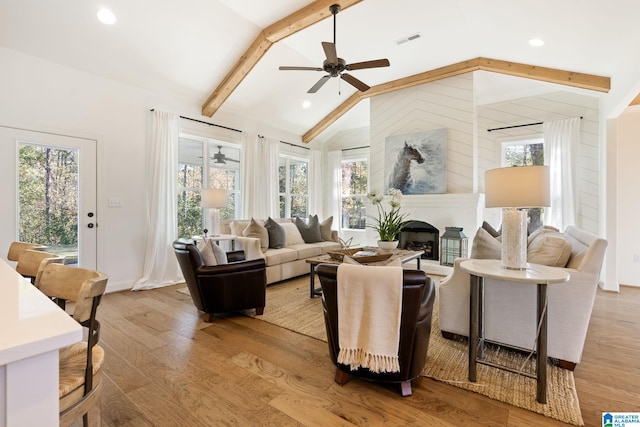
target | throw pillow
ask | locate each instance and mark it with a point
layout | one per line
(310, 232)
(257, 230)
(276, 234)
(485, 246)
(212, 254)
(237, 226)
(291, 234)
(550, 248)
(490, 229)
(325, 229)
(540, 230)
(206, 252)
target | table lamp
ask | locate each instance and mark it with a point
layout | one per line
(214, 200)
(515, 189)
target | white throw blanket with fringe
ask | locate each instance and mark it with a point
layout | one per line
(369, 313)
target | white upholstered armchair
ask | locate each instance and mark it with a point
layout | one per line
(510, 308)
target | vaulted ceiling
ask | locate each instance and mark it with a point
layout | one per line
(223, 55)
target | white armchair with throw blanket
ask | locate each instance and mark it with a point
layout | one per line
(510, 308)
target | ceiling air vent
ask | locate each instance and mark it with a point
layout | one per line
(408, 38)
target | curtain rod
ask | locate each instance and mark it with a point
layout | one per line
(295, 145)
(232, 129)
(206, 123)
(518, 126)
(355, 148)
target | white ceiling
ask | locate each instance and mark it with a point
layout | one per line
(185, 48)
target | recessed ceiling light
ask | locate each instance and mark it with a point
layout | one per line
(306, 104)
(106, 16)
(536, 42)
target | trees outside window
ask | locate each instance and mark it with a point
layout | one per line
(48, 196)
(354, 189)
(293, 187)
(525, 152)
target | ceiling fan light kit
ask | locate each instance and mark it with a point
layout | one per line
(221, 158)
(335, 66)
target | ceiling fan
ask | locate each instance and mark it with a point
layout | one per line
(336, 67)
(222, 158)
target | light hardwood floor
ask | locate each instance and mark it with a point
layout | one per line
(165, 367)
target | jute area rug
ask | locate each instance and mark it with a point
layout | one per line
(289, 306)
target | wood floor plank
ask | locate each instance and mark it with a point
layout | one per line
(165, 367)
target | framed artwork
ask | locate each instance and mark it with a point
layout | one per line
(416, 163)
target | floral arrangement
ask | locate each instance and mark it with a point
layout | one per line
(388, 224)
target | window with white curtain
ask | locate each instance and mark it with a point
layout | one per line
(293, 186)
(525, 152)
(354, 189)
(205, 164)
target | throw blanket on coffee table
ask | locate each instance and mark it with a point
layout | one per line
(369, 313)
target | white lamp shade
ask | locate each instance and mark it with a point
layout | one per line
(517, 187)
(214, 198)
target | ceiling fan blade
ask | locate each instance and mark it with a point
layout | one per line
(330, 52)
(358, 84)
(300, 68)
(319, 84)
(376, 63)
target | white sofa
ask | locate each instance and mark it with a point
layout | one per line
(283, 263)
(510, 308)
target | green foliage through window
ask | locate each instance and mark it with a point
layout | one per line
(293, 187)
(354, 186)
(48, 195)
(528, 152)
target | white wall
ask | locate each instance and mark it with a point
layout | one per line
(42, 96)
(447, 103)
(628, 196)
(552, 106)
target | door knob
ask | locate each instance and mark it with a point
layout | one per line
(90, 225)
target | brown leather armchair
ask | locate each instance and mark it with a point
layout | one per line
(238, 285)
(415, 327)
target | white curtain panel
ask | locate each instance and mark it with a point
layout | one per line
(334, 193)
(258, 172)
(315, 183)
(560, 154)
(160, 264)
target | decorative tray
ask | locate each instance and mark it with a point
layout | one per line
(362, 255)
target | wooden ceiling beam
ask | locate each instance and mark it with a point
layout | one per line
(299, 20)
(406, 82)
(549, 75)
(636, 100)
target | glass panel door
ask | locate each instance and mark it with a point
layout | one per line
(53, 183)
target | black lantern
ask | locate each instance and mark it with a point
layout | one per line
(453, 244)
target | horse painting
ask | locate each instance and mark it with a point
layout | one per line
(416, 163)
(401, 175)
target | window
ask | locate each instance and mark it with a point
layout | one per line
(354, 187)
(525, 152)
(205, 164)
(528, 152)
(293, 187)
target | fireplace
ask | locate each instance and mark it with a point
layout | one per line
(420, 236)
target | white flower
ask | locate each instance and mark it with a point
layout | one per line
(375, 197)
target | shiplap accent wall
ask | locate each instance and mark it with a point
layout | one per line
(449, 104)
(446, 103)
(553, 106)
